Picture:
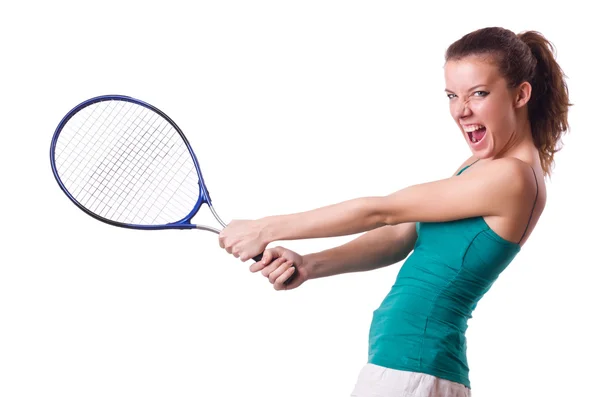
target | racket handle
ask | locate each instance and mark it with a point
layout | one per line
(258, 257)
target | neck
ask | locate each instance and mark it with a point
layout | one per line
(520, 143)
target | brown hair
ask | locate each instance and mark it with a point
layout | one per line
(530, 57)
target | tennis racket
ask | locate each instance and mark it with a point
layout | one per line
(126, 163)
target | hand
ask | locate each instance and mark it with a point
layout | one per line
(243, 239)
(276, 265)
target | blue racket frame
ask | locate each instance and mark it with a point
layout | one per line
(185, 222)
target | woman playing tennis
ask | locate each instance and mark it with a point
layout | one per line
(510, 101)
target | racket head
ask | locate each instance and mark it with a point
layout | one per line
(105, 120)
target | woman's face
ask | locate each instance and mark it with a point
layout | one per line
(481, 104)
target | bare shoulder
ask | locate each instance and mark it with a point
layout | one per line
(516, 173)
(512, 174)
(524, 197)
(518, 181)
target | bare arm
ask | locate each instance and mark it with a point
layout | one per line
(499, 188)
(493, 190)
(375, 249)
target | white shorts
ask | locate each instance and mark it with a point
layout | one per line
(377, 381)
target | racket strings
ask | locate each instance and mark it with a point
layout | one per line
(103, 176)
(151, 149)
(135, 171)
(126, 163)
(84, 142)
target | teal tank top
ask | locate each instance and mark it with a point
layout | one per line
(420, 326)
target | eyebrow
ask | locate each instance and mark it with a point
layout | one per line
(470, 89)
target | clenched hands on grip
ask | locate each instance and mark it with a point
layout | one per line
(276, 265)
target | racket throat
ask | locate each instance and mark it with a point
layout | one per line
(208, 228)
(217, 217)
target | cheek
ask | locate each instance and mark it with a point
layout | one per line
(505, 118)
(495, 116)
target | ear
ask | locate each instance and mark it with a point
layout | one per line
(522, 94)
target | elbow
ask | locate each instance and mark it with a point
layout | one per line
(384, 213)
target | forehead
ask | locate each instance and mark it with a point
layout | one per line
(470, 71)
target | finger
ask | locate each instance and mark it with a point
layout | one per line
(257, 266)
(223, 237)
(268, 256)
(271, 254)
(275, 274)
(280, 282)
(273, 266)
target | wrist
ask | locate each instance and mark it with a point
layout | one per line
(310, 263)
(268, 232)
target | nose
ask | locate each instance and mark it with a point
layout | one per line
(461, 109)
(464, 109)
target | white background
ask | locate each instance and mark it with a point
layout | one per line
(289, 106)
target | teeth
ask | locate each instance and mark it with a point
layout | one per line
(471, 128)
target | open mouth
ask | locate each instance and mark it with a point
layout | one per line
(475, 132)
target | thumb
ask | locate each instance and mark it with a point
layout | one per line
(271, 254)
(267, 257)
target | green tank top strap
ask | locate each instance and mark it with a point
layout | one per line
(534, 203)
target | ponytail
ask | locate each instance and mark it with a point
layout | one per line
(549, 102)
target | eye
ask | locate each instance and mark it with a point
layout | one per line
(481, 93)
(451, 96)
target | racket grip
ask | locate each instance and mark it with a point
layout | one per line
(258, 257)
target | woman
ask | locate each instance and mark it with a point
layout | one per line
(508, 97)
